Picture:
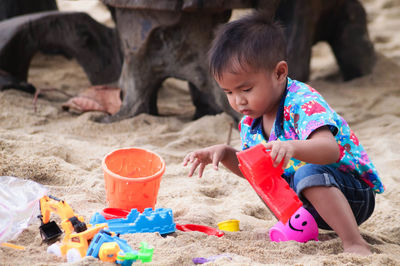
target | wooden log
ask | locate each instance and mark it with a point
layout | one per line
(75, 34)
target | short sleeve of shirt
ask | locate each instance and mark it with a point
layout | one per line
(308, 111)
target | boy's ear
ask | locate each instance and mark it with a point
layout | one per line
(281, 70)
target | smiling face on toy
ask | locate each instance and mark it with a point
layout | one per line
(301, 227)
(297, 222)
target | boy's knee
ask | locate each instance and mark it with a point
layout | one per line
(302, 173)
(312, 175)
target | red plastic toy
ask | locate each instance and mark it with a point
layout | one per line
(200, 228)
(257, 166)
(114, 213)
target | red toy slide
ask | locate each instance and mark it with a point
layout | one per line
(256, 165)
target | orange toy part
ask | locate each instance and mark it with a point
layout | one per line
(257, 166)
(132, 178)
(80, 241)
(108, 251)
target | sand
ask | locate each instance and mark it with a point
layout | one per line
(63, 152)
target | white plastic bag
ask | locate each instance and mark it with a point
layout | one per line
(19, 205)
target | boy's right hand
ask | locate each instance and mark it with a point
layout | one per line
(214, 154)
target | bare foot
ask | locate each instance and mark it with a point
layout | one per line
(102, 98)
(358, 248)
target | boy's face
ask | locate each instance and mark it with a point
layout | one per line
(254, 93)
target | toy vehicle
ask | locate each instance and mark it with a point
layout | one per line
(75, 245)
(77, 234)
(70, 222)
(109, 247)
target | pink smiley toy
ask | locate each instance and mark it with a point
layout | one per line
(301, 227)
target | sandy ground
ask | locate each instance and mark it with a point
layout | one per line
(64, 151)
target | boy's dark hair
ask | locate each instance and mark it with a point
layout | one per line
(252, 41)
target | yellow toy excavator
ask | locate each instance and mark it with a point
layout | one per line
(77, 235)
(69, 222)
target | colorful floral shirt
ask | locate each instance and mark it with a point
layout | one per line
(303, 110)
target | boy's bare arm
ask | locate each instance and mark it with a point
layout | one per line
(230, 160)
(320, 148)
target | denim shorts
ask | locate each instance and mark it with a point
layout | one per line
(360, 196)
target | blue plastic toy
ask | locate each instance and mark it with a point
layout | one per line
(104, 246)
(160, 220)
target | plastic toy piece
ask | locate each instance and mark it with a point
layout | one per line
(49, 231)
(301, 227)
(80, 241)
(109, 251)
(114, 213)
(145, 254)
(75, 245)
(229, 225)
(160, 220)
(121, 213)
(111, 248)
(257, 166)
(103, 246)
(10, 245)
(200, 228)
(202, 260)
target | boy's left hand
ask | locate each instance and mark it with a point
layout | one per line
(280, 151)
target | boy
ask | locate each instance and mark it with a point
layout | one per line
(322, 158)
